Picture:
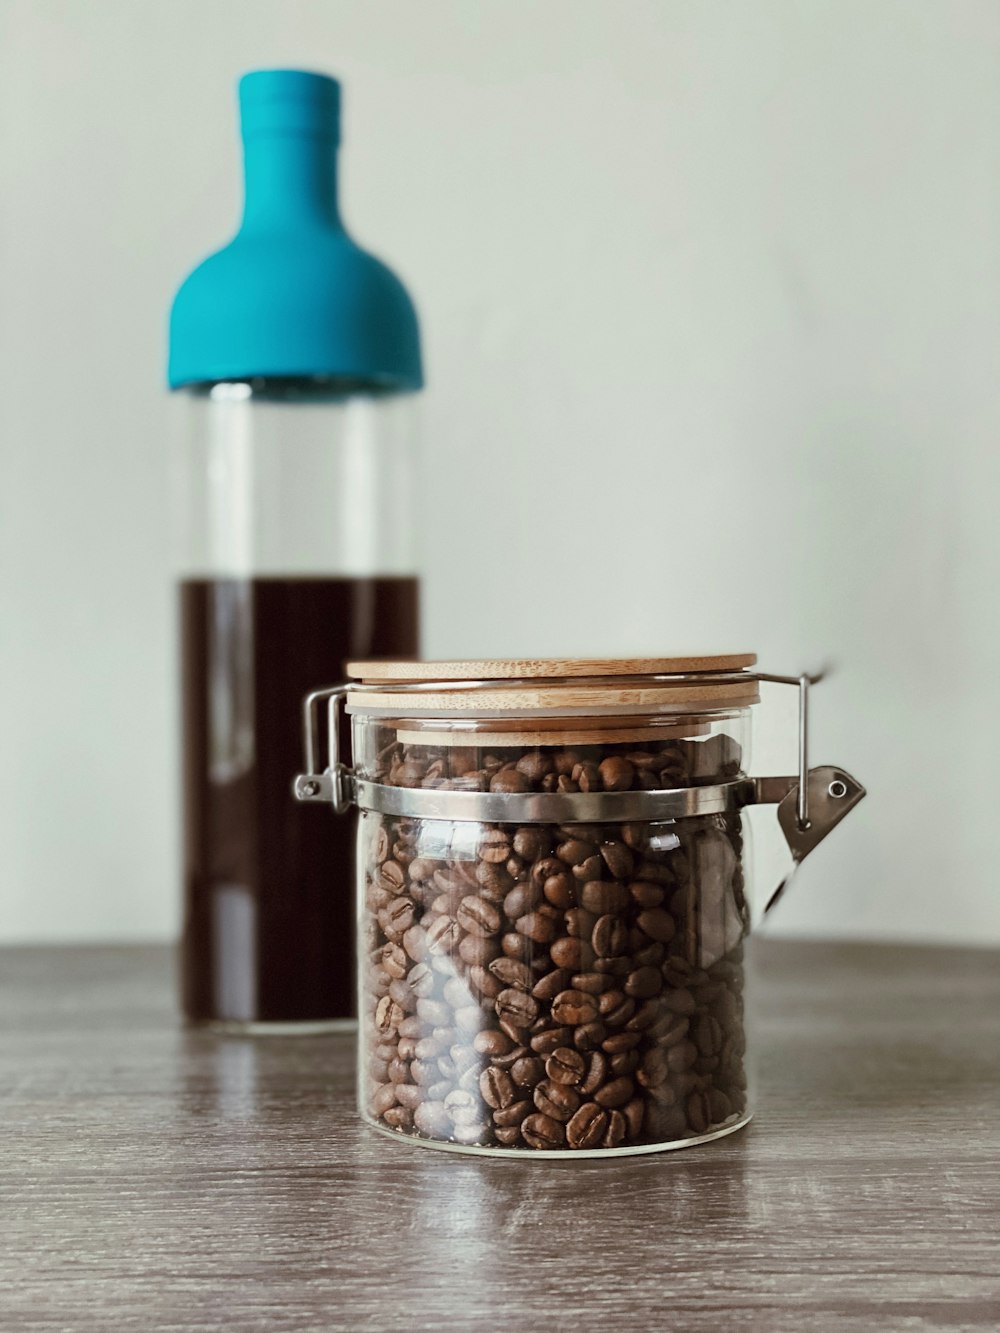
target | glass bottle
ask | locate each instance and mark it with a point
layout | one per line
(296, 357)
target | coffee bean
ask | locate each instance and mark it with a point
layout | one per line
(621, 1041)
(550, 984)
(531, 842)
(657, 924)
(587, 1127)
(516, 946)
(616, 774)
(497, 1088)
(594, 983)
(550, 1040)
(512, 972)
(569, 952)
(615, 1093)
(565, 1065)
(633, 1113)
(542, 1131)
(590, 869)
(573, 1007)
(556, 1100)
(618, 859)
(514, 1113)
(580, 923)
(574, 850)
(699, 1112)
(610, 936)
(679, 1001)
(388, 1014)
(443, 935)
(383, 1098)
(398, 1117)
(516, 1008)
(596, 1073)
(615, 1133)
(560, 890)
(494, 845)
(431, 1118)
(527, 1071)
(536, 926)
(477, 916)
(603, 896)
(646, 895)
(589, 1035)
(643, 983)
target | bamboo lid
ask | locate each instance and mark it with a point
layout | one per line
(609, 686)
(543, 668)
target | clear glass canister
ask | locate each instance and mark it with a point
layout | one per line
(553, 901)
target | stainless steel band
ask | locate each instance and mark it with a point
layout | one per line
(609, 807)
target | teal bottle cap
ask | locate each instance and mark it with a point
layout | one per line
(292, 295)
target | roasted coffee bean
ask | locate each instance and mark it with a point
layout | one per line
(623, 1063)
(494, 845)
(654, 1068)
(556, 1099)
(594, 983)
(603, 896)
(398, 1117)
(580, 923)
(616, 773)
(432, 1119)
(621, 1041)
(388, 1014)
(550, 984)
(616, 1008)
(485, 982)
(531, 842)
(682, 1056)
(391, 876)
(512, 972)
(633, 1113)
(383, 1098)
(587, 1127)
(560, 890)
(615, 1133)
(618, 859)
(527, 1071)
(708, 1035)
(679, 1001)
(657, 924)
(508, 1137)
(646, 895)
(596, 1073)
(589, 1035)
(569, 952)
(644, 983)
(699, 1112)
(394, 960)
(537, 926)
(516, 946)
(514, 1113)
(497, 1088)
(542, 1131)
(590, 869)
(409, 1095)
(521, 900)
(574, 850)
(551, 1039)
(574, 1006)
(565, 1065)
(477, 916)
(516, 1007)
(610, 936)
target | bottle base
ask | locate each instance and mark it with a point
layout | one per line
(293, 1028)
(562, 1154)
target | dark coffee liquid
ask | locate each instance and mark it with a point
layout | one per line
(269, 883)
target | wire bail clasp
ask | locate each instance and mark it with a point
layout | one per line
(333, 783)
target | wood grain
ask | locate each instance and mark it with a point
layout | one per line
(156, 1179)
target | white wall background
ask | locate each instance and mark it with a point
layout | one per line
(711, 300)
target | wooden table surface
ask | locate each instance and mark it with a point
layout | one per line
(157, 1179)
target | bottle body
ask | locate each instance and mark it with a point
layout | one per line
(296, 552)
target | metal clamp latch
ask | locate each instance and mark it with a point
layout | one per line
(809, 805)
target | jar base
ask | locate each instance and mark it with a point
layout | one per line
(562, 1154)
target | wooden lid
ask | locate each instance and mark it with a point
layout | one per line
(543, 668)
(591, 686)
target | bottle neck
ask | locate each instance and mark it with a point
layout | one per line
(291, 180)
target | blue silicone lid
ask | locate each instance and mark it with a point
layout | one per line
(292, 294)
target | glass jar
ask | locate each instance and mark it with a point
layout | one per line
(554, 896)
